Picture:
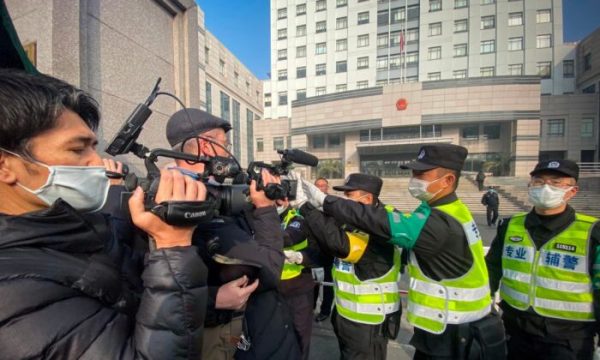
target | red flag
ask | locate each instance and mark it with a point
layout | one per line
(401, 41)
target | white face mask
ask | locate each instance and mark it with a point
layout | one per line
(85, 188)
(547, 196)
(281, 209)
(418, 189)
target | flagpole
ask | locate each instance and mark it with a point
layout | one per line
(389, 39)
(404, 37)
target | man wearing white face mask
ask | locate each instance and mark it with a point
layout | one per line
(545, 265)
(449, 302)
(68, 285)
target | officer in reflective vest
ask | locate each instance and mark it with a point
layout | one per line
(297, 283)
(545, 264)
(366, 272)
(449, 301)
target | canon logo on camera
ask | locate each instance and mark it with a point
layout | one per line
(191, 215)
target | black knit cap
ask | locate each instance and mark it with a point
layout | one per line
(446, 156)
(190, 122)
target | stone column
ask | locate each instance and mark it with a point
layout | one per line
(525, 146)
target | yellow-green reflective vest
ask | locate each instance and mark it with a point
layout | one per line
(434, 304)
(555, 280)
(367, 301)
(291, 271)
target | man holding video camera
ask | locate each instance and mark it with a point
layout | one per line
(62, 294)
(237, 250)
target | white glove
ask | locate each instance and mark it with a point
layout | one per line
(300, 195)
(293, 257)
(315, 196)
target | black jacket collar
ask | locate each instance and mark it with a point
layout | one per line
(551, 223)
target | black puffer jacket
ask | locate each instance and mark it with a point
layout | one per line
(63, 296)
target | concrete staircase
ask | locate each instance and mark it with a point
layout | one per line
(395, 192)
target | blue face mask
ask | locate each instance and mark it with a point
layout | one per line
(85, 188)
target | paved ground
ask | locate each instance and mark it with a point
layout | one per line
(324, 344)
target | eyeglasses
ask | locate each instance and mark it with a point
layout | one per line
(226, 145)
(557, 182)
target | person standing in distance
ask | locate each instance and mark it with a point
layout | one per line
(491, 201)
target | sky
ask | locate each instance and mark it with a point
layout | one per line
(243, 26)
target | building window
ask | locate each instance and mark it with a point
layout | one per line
(488, 22)
(544, 69)
(341, 87)
(300, 51)
(568, 68)
(334, 140)
(543, 16)
(459, 74)
(267, 99)
(435, 5)
(282, 54)
(470, 132)
(341, 45)
(491, 132)
(382, 63)
(515, 43)
(341, 23)
(321, 90)
(236, 78)
(435, 29)
(318, 141)
(397, 15)
(382, 41)
(556, 127)
(208, 88)
(321, 5)
(458, 4)
(321, 26)
(222, 67)
(363, 40)
(461, 26)
(206, 54)
(411, 35)
(515, 69)
(282, 97)
(341, 3)
(435, 53)
(543, 41)
(301, 72)
(321, 69)
(300, 94)
(321, 48)
(434, 76)
(587, 127)
(487, 47)
(515, 19)
(412, 58)
(301, 30)
(589, 89)
(487, 71)
(260, 145)
(237, 149)
(281, 34)
(250, 135)
(362, 63)
(460, 50)
(363, 18)
(282, 74)
(224, 106)
(282, 13)
(587, 61)
(341, 66)
(487, 2)
(395, 62)
(363, 84)
(278, 143)
(300, 9)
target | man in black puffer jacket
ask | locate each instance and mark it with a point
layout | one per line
(67, 287)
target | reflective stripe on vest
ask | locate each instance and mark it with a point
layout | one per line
(291, 271)
(434, 304)
(555, 280)
(368, 301)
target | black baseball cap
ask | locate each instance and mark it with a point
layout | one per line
(565, 167)
(190, 122)
(369, 183)
(446, 156)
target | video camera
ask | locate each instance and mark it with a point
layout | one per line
(223, 199)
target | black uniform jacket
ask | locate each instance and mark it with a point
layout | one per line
(295, 233)
(441, 249)
(254, 237)
(542, 229)
(69, 290)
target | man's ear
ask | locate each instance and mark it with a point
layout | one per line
(7, 175)
(571, 193)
